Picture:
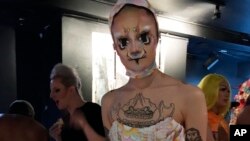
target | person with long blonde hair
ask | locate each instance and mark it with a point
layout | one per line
(217, 92)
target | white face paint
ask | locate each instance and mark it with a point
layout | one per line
(117, 35)
(146, 28)
(135, 39)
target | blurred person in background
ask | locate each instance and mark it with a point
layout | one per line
(217, 92)
(241, 97)
(18, 124)
(22, 107)
(244, 116)
(82, 120)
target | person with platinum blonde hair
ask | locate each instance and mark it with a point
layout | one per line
(217, 92)
(82, 120)
(151, 106)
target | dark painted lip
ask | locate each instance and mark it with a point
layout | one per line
(144, 56)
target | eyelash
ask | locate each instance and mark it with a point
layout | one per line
(224, 89)
(144, 38)
(123, 41)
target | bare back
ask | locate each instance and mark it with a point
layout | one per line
(21, 128)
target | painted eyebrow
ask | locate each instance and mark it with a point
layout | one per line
(118, 38)
(146, 27)
(118, 35)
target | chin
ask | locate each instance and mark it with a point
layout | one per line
(60, 107)
(139, 67)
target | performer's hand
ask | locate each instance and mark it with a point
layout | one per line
(56, 129)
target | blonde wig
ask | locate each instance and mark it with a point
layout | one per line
(210, 85)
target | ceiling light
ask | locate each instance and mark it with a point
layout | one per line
(212, 60)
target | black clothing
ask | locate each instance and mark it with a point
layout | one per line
(92, 113)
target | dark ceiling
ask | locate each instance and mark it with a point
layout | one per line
(233, 23)
(232, 20)
(233, 14)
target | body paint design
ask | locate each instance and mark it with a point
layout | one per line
(123, 40)
(141, 112)
(132, 29)
(193, 134)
